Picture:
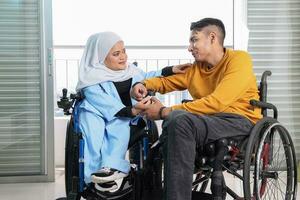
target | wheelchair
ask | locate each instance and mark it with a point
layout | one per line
(144, 179)
(264, 161)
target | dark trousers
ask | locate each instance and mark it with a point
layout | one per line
(183, 133)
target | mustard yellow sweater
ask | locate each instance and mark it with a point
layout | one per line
(227, 87)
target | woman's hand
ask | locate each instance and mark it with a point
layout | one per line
(141, 106)
(138, 92)
(181, 69)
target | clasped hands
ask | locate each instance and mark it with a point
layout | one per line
(148, 106)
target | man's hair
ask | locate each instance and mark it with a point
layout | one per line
(206, 22)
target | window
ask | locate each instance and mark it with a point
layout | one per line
(26, 115)
(274, 44)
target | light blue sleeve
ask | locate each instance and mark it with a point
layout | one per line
(105, 103)
(152, 74)
(144, 75)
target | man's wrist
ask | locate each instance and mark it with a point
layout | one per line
(164, 112)
(160, 112)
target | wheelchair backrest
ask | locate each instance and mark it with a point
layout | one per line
(263, 86)
(262, 103)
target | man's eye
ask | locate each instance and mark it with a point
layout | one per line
(116, 54)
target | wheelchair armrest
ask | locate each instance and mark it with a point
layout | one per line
(264, 106)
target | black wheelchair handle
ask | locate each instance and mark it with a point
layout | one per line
(186, 100)
(64, 93)
(66, 103)
(264, 106)
(265, 75)
(264, 88)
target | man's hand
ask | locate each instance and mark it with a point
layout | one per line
(181, 69)
(138, 92)
(152, 110)
(141, 106)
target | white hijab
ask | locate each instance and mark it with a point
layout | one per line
(92, 69)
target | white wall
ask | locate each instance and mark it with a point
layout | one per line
(158, 23)
(60, 127)
(139, 22)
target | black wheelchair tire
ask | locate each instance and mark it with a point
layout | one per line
(71, 167)
(288, 157)
(251, 156)
(148, 184)
(250, 150)
(154, 164)
(72, 170)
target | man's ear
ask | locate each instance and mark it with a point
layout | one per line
(213, 37)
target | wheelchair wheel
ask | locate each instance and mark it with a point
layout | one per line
(142, 179)
(270, 170)
(153, 172)
(71, 163)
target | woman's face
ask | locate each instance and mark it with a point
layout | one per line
(116, 59)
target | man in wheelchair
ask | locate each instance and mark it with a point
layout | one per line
(222, 83)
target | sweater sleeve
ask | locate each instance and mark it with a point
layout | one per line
(236, 81)
(167, 84)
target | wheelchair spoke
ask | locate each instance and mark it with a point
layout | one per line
(273, 186)
(266, 194)
(277, 153)
(278, 187)
(281, 181)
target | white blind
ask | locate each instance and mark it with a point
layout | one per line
(20, 90)
(274, 43)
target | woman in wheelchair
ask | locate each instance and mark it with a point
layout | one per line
(105, 79)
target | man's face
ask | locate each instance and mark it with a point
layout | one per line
(116, 59)
(200, 45)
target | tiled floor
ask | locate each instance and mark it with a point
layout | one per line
(34, 191)
(52, 191)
